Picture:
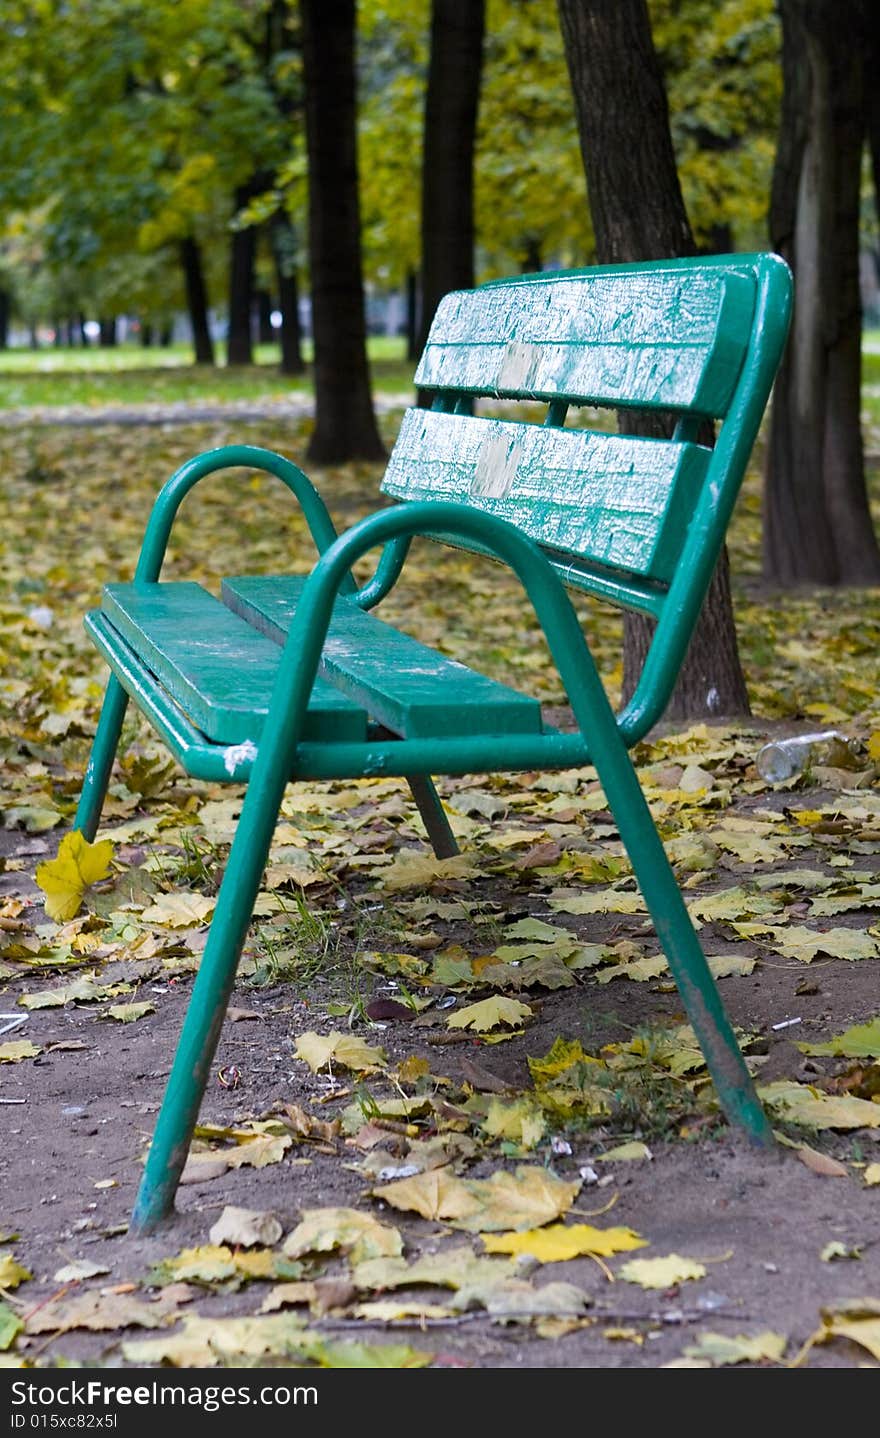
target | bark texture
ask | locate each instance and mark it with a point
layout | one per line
(638, 214)
(817, 523)
(242, 254)
(345, 422)
(451, 105)
(196, 300)
(284, 254)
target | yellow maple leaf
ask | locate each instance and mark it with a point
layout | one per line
(662, 1272)
(561, 1241)
(489, 1013)
(345, 1050)
(872, 1174)
(64, 879)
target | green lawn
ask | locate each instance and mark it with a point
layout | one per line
(130, 374)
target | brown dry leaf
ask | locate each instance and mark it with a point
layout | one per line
(357, 1234)
(821, 1163)
(524, 1199)
(245, 1228)
(99, 1313)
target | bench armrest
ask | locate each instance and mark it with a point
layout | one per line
(395, 528)
(175, 490)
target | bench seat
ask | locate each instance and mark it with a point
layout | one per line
(218, 662)
(404, 685)
(213, 665)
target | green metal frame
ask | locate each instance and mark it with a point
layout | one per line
(602, 737)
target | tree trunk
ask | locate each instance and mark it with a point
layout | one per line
(197, 300)
(345, 422)
(412, 315)
(817, 523)
(4, 319)
(242, 253)
(451, 103)
(265, 332)
(108, 332)
(638, 214)
(146, 334)
(284, 254)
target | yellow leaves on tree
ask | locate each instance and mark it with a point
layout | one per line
(64, 879)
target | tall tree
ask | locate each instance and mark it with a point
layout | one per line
(638, 214)
(817, 523)
(345, 422)
(451, 104)
(196, 299)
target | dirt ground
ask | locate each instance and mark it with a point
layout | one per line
(76, 1121)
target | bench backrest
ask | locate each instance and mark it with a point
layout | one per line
(637, 521)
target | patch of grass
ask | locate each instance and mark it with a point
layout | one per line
(128, 375)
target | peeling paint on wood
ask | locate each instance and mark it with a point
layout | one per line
(619, 501)
(662, 339)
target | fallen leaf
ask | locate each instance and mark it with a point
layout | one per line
(11, 1271)
(820, 1163)
(523, 1199)
(625, 1152)
(857, 1319)
(836, 1249)
(346, 1050)
(100, 1313)
(76, 1272)
(18, 1049)
(356, 1234)
(872, 1175)
(179, 911)
(489, 1014)
(259, 1151)
(721, 1350)
(129, 1013)
(559, 1242)
(665, 1272)
(514, 1299)
(799, 1103)
(452, 1268)
(64, 879)
(245, 1228)
(10, 1326)
(861, 1041)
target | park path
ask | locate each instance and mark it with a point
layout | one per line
(293, 406)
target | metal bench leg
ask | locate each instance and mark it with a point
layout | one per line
(208, 1002)
(687, 962)
(106, 742)
(433, 816)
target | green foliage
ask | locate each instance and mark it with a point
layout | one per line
(722, 69)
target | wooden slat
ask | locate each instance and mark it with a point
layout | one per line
(618, 501)
(656, 338)
(214, 665)
(411, 689)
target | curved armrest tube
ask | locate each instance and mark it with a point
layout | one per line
(387, 573)
(231, 456)
(553, 609)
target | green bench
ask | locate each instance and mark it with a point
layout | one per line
(291, 677)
